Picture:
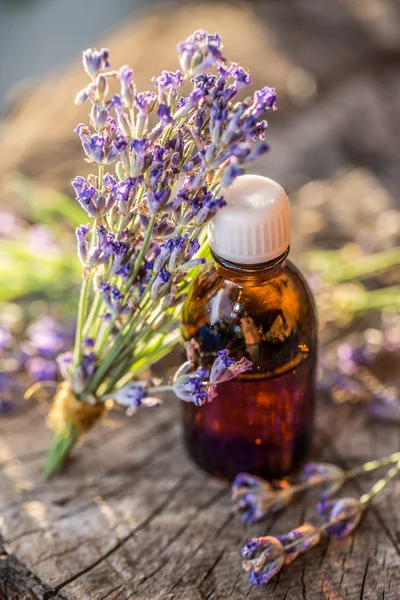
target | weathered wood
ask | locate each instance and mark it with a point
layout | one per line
(132, 517)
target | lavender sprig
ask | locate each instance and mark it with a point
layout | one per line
(163, 159)
(265, 556)
(256, 499)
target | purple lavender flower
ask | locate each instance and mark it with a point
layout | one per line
(190, 388)
(209, 206)
(255, 498)
(177, 251)
(242, 78)
(163, 255)
(343, 514)
(225, 367)
(146, 102)
(95, 61)
(135, 395)
(161, 284)
(125, 75)
(192, 101)
(168, 84)
(264, 558)
(96, 205)
(98, 117)
(41, 369)
(263, 100)
(83, 245)
(231, 172)
(100, 149)
(155, 200)
(200, 52)
(104, 248)
(327, 475)
(47, 337)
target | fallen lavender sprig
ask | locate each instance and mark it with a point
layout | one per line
(256, 499)
(265, 556)
(174, 150)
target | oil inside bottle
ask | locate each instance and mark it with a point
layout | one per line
(263, 426)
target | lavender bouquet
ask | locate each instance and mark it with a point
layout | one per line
(171, 152)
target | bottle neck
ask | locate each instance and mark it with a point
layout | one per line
(231, 270)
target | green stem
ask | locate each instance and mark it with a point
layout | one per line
(380, 485)
(101, 175)
(142, 251)
(372, 465)
(94, 311)
(82, 309)
(63, 442)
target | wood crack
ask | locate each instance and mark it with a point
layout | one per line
(127, 537)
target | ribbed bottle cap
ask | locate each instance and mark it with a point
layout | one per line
(254, 226)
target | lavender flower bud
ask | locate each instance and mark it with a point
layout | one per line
(208, 207)
(265, 558)
(164, 228)
(324, 474)
(163, 256)
(344, 515)
(225, 367)
(98, 117)
(146, 103)
(161, 284)
(190, 388)
(263, 100)
(155, 200)
(172, 300)
(95, 61)
(123, 122)
(177, 251)
(255, 498)
(230, 173)
(41, 369)
(200, 52)
(134, 395)
(82, 96)
(83, 246)
(168, 83)
(125, 75)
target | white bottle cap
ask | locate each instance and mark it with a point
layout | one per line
(254, 226)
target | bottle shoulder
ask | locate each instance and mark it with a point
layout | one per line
(286, 287)
(270, 311)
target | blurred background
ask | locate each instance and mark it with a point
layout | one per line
(335, 143)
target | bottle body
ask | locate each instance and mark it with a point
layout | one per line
(262, 421)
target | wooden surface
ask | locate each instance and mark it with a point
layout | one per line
(132, 517)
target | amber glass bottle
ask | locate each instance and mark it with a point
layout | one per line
(257, 305)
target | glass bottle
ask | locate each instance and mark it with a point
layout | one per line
(254, 302)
